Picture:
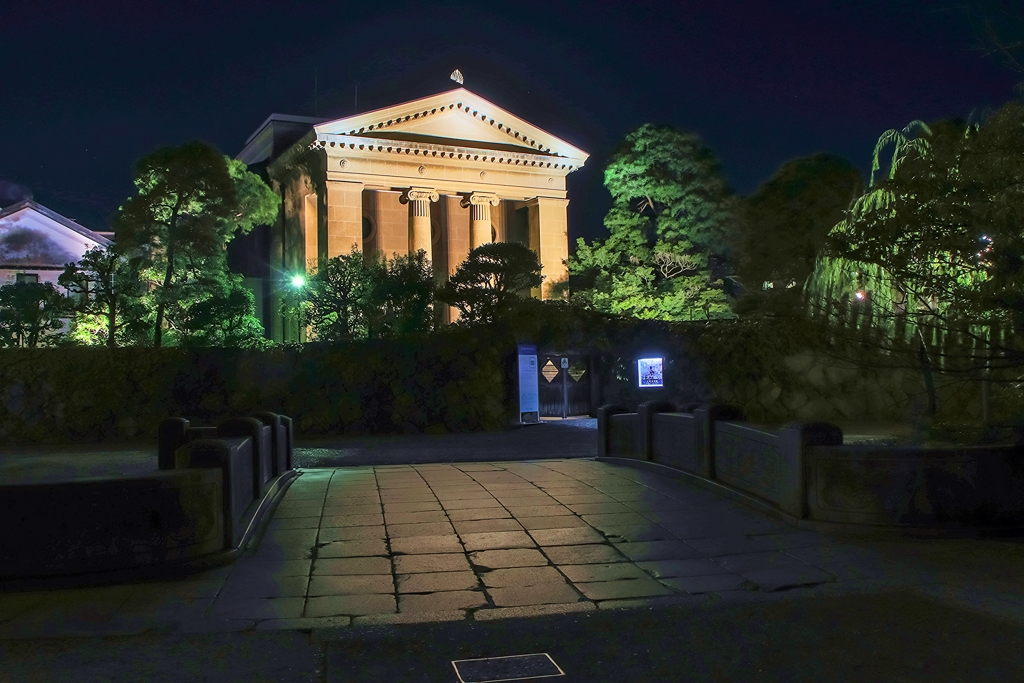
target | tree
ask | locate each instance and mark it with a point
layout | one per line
(353, 296)
(191, 200)
(332, 302)
(31, 314)
(107, 289)
(490, 282)
(784, 225)
(931, 259)
(219, 314)
(666, 254)
(401, 295)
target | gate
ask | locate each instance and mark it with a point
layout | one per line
(564, 384)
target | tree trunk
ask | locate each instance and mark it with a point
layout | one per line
(111, 325)
(158, 332)
(929, 377)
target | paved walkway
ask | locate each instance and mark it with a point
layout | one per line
(482, 541)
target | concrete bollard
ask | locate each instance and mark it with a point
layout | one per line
(794, 439)
(603, 413)
(645, 411)
(261, 447)
(278, 441)
(705, 433)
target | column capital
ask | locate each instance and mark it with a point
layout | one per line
(480, 199)
(417, 194)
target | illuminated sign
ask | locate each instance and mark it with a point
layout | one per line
(528, 390)
(651, 372)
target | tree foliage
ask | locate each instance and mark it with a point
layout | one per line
(491, 282)
(666, 254)
(190, 201)
(32, 314)
(353, 296)
(107, 289)
(784, 225)
(932, 256)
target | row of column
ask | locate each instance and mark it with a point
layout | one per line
(480, 217)
(344, 217)
(547, 224)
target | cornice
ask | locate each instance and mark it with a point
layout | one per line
(334, 143)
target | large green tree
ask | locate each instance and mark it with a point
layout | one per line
(190, 201)
(931, 258)
(108, 290)
(491, 282)
(785, 224)
(32, 314)
(666, 255)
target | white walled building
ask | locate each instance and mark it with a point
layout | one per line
(36, 243)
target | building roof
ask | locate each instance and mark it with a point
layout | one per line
(57, 218)
(274, 135)
(456, 117)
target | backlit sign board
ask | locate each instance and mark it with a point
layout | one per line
(651, 372)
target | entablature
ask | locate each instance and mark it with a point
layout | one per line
(335, 145)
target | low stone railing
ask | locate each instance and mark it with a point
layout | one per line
(803, 474)
(213, 486)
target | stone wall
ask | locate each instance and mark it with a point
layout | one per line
(777, 374)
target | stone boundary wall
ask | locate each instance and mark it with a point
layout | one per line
(197, 509)
(775, 373)
(804, 473)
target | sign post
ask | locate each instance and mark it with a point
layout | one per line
(529, 402)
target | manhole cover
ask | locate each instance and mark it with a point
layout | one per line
(549, 371)
(513, 668)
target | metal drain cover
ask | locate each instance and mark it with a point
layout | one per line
(513, 668)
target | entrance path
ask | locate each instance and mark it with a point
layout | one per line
(475, 542)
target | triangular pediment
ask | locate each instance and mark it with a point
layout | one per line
(32, 235)
(458, 117)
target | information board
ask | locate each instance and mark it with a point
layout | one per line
(528, 383)
(650, 372)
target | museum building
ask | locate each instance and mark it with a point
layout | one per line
(444, 173)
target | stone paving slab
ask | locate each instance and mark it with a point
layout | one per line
(433, 582)
(480, 541)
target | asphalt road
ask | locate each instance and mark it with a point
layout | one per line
(895, 636)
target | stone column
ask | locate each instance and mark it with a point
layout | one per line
(420, 198)
(480, 204)
(549, 237)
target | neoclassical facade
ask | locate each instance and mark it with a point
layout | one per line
(445, 174)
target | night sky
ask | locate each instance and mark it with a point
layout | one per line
(88, 88)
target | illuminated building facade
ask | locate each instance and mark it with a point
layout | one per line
(445, 174)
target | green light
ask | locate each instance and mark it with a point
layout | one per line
(298, 281)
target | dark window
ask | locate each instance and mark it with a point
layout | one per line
(367, 228)
(27, 277)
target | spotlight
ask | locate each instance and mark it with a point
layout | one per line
(298, 281)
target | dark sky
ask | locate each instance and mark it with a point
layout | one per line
(88, 88)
